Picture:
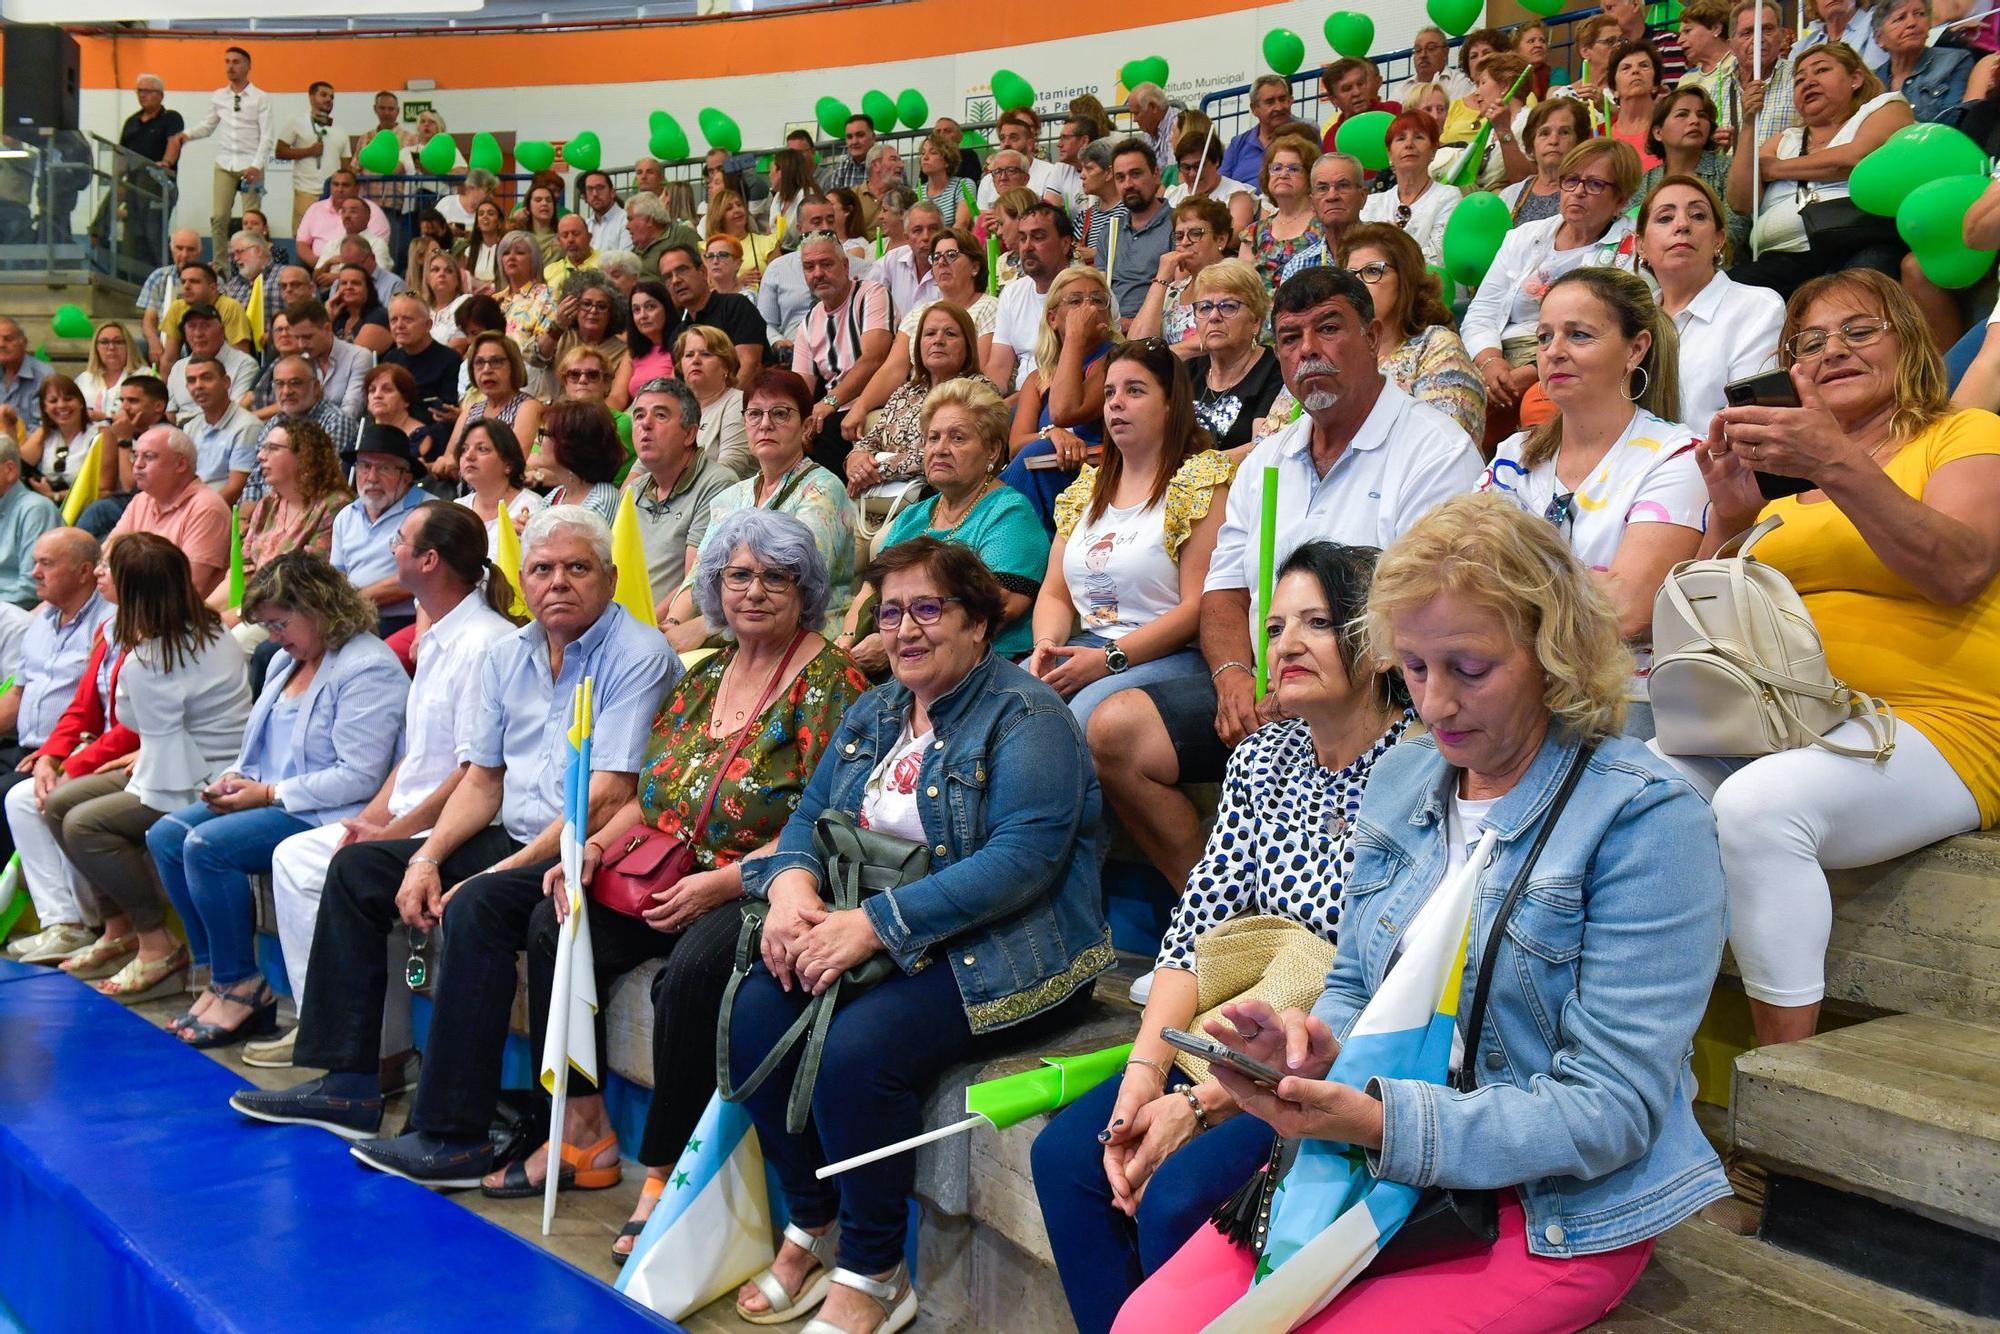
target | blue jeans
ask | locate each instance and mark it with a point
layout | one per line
(1186, 662)
(884, 1051)
(1040, 485)
(1102, 1255)
(205, 861)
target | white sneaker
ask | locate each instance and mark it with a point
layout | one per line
(1141, 989)
(52, 944)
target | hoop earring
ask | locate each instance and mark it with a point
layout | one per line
(1645, 383)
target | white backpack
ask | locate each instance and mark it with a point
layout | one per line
(1738, 667)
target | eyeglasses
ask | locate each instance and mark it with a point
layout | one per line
(490, 363)
(1286, 168)
(946, 257)
(718, 256)
(1187, 234)
(737, 579)
(275, 627)
(1371, 273)
(1593, 186)
(1228, 308)
(1807, 344)
(582, 375)
(1561, 508)
(601, 307)
(775, 416)
(922, 610)
(1323, 188)
(1097, 299)
(1010, 171)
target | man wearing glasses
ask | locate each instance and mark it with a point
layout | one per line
(241, 111)
(1430, 55)
(1338, 193)
(385, 465)
(1017, 130)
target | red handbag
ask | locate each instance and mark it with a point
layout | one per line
(649, 860)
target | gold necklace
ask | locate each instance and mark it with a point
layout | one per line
(936, 519)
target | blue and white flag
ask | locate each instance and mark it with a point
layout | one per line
(1330, 1216)
(711, 1231)
(572, 1035)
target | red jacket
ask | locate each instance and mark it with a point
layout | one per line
(89, 714)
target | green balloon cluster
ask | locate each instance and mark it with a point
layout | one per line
(70, 322)
(1454, 16)
(585, 152)
(665, 138)
(830, 114)
(535, 154)
(1366, 137)
(720, 131)
(1913, 156)
(382, 154)
(485, 154)
(1473, 236)
(880, 108)
(1284, 51)
(1146, 69)
(1932, 221)
(913, 110)
(1349, 33)
(1011, 92)
(440, 155)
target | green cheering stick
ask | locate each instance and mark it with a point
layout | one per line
(1010, 1100)
(13, 903)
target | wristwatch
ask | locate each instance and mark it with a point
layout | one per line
(832, 399)
(1115, 660)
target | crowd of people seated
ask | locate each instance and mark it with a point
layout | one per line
(968, 560)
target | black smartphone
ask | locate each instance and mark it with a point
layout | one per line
(1194, 1044)
(1768, 389)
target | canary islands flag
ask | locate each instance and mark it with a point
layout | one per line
(1331, 1216)
(572, 1037)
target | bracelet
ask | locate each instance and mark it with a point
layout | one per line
(418, 859)
(1216, 675)
(1200, 1116)
(1154, 1066)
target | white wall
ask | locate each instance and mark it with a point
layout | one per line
(1202, 55)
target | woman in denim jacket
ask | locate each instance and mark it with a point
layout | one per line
(984, 765)
(1582, 1118)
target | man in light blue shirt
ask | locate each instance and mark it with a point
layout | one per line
(25, 514)
(225, 433)
(515, 777)
(385, 464)
(21, 375)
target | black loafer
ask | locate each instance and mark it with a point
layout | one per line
(429, 1160)
(310, 1105)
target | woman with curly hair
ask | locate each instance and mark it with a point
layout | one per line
(303, 489)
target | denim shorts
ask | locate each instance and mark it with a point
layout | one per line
(1187, 707)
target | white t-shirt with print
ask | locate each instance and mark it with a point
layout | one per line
(1119, 573)
(889, 801)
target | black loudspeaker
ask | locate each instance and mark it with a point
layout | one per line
(43, 70)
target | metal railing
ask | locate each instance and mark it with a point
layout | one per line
(72, 204)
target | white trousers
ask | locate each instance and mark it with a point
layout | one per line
(298, 879)
(1783, 819)
(52, 881)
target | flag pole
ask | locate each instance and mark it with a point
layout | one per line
(901, 1146)
(1757, 70)
(559, 1002)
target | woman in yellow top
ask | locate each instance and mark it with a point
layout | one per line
(1894, 554)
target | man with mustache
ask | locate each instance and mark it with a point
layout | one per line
(1363, 462)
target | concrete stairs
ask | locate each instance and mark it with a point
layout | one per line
(34, 304)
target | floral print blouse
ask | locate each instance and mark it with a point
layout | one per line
(530, 312)
(1273, 253)
(817, 499)
(310, 529)
(762, 787)
(901, 428)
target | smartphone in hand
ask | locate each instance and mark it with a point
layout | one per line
(1194, 1044)
(1770, 389)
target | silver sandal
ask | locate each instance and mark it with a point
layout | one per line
(784, 1306)
(895, 1295)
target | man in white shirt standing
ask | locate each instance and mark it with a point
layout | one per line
(242, 112)
(303, 144)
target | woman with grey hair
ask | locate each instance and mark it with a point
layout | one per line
(524, 298)
(732, 747)
(591, 312)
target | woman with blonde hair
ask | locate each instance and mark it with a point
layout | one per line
(1611, 470)
(1203, 234)
(1894, 553)
(1514, 660)
(1059, 410)
(708, 365)
(729, 216)
(112, 358)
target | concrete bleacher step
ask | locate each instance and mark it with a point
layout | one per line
(1903, 1109)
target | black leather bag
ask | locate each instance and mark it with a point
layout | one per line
(1838, 229)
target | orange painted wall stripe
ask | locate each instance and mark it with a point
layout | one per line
(717, 48)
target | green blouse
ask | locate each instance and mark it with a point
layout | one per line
(764, 781)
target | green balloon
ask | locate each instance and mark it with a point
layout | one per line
(1547, 9)
(70, 322)
(382, 155)
(1912, 156)
(1454, 16)
(1349, 33)
(720, 131)
(485, 154)
(1366, 136)
(1146, 69)
(584, 152)
(914, 111)
(1284, 51)
(624, 423)
(1011, 92)
(667, 139)
(1473, 236)
(439, 155)
(973, 139)
(535, 154)
(830, 114)
(880, 108)
(1932, 221)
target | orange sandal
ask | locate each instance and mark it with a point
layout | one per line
(572, 1176)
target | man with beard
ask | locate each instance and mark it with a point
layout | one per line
(1045, 251)
(1147, 230)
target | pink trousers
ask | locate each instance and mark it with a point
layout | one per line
(1506, 1291)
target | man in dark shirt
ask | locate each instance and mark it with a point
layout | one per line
(695, 302)
(432, 364)
(152, 133)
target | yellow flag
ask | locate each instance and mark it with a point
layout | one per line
(254, 312)
(507, 555)
(628, 553)
(84, 490)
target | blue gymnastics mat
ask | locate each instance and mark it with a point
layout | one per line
(133, 1199)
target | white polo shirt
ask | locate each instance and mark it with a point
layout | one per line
(1406, 457)
(1023, 312)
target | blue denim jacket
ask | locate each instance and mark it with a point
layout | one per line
(1585, 1096)
(1938, 82)
(1011, 809)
